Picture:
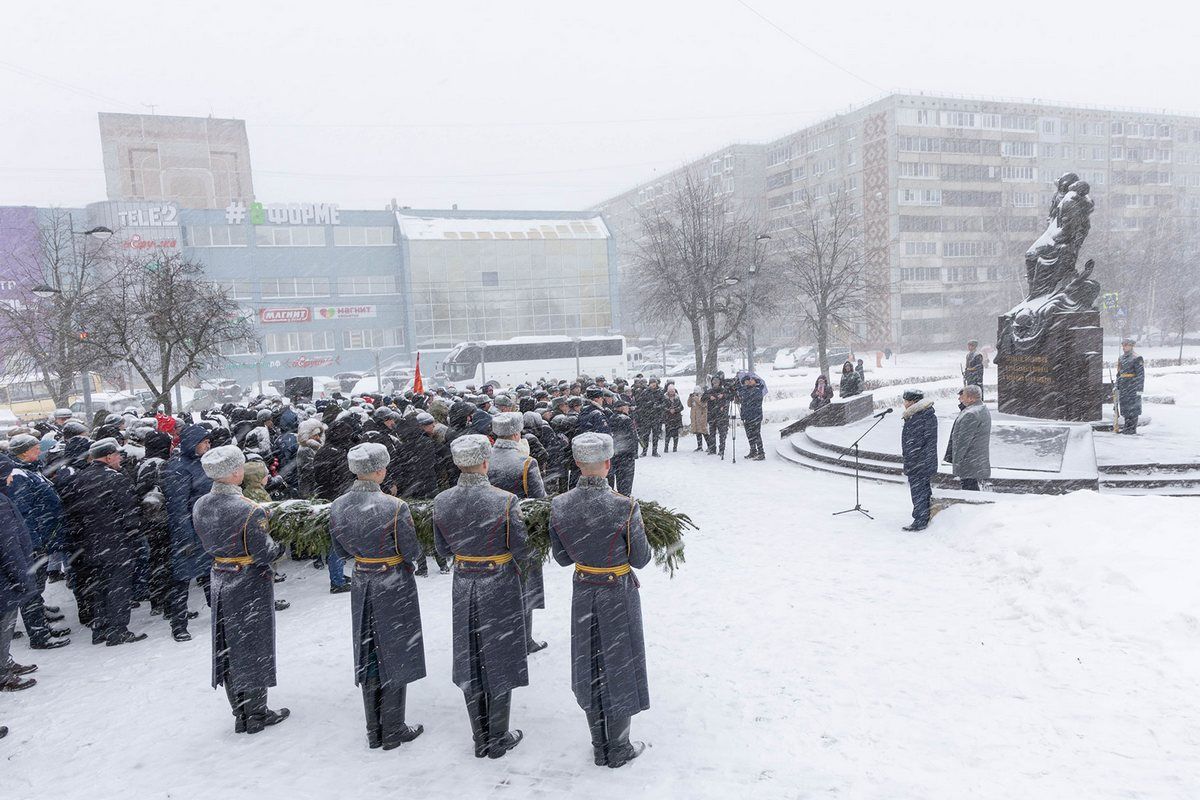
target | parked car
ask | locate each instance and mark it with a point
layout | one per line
(836, 356)
(785, 359)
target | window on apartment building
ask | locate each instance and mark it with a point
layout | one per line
(917, 169)
(1118, 128)
(1011, 173)
(968, 249)
(238, 290)
(920, 197)
(1050, 126)
(363, 235)
(1023, 199)
(289, 235)
(294, 287)
(920, 248)
(1018, 149)
(958, 119)
(920, 274)
(1018, 122)
(1116, 153)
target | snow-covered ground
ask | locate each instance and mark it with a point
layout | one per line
(1048, 647)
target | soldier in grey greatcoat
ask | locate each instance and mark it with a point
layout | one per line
(512, 469)
(970, 439)
(481, 526)
(376, 530)
(601, 533)
(233, 530)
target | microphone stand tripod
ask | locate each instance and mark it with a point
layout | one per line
(858, 505)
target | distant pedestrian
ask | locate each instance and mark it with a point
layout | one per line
(973, 368)
(970, 440)
(852, 382)
(822, 393)
(698, 417)
(918, 443)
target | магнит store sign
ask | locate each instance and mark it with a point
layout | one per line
(269, 315)
(344, 312)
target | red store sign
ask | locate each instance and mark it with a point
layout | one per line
(298, 314)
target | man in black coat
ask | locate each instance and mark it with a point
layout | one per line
(716, 397)
(625, 449)
(650, 411)
(918, 443)
(422, 472)
(333, 479)
(1131, 381)
(109, 520)
(750, 398)
(973, 369)
(382, 430)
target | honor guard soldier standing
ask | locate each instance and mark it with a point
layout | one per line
(601, 533)
(376, 530)
(512, 469)
(973, 369)
(233, 531)
(1131, 381)
(481, 527)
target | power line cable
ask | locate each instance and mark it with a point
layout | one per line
(811, 50)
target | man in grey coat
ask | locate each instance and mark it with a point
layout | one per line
(970, 439)
(481, 526)
(233, 531)
(512, 469)
(601, 533)
(376, 530)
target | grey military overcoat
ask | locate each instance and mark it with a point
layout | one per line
(476, 519)
(365, 524)
(243, 596)
(596, 527)
(513, 471)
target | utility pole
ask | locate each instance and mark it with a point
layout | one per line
(575, 339)
(750, 299)
(378, 373)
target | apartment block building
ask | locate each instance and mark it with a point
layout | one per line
(951, 192)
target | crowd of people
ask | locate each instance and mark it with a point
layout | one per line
(127, 510)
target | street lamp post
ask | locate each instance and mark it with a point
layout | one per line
(482, 365)
(378, 374)
(578, 371)
(749, 312)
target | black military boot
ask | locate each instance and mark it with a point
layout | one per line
(370, 693)
(599, 745)
(620, 750)
(531, 644)
(391, 716)
(477, 711)
(501, 738)
(237, 703)
(258, 716)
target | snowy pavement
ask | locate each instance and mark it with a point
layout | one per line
(1048, 647)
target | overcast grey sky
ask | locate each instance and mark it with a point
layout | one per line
(537, 104)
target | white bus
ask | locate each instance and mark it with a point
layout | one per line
(525, 359)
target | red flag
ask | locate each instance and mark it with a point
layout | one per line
(418, 386)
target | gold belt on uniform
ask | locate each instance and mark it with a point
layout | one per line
(1128, 375)
(612, 572)
(390, 561)
(501, 558)
(243, 561)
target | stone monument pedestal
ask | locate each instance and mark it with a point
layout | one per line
(1061, 377)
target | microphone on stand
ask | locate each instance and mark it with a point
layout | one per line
(884, 413)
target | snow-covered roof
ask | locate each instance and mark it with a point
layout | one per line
(442, 228)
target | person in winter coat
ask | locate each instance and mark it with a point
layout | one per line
(601, 533)
(513, 470)
(299, 471)
(152, 509)
(39, 505)
(17, 582)
(382, 430)
(852, 382)
(108, 516)
(234, 533)
(650, 413)
(184, 482)
(698, 417)
(822, 393)
(490, 653)
(1131, 382)
(377, 531)
(63, 473)
(750, 398)
(333, 479)
(591, 416)
(625, 449)
(673, 417)
(717, 399)
(422, 473)
(918, 444)
(970, 439)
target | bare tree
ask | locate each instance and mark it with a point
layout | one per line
(692, 242)
(822, 261)
(161, 315)
(47, 335)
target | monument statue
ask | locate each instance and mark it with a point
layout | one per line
(1048, 346)
(1054, 284)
